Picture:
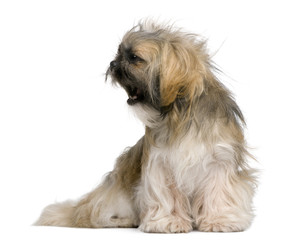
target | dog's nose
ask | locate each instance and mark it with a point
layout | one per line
(113, 64)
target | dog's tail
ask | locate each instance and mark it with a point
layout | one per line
(68, 214)
(58, 214)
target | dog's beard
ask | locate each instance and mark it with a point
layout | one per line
(149, 116)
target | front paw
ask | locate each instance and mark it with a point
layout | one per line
(221, 227)
(171, 224)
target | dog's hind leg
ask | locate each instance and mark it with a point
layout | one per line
(107, 206)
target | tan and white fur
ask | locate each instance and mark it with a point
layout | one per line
(189, 170)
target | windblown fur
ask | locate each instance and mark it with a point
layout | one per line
(190, 168)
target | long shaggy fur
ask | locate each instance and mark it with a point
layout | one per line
(190, 168)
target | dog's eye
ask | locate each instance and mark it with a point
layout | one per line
(134, 58)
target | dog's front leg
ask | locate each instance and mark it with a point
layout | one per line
(163, 207)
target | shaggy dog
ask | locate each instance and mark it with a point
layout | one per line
(190, 168)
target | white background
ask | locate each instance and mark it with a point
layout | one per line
(62, 126)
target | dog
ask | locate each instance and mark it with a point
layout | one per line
(190, 170)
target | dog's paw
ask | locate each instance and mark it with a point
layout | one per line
(171, 224)
(220, 227)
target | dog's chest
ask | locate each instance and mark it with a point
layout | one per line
(183, 163)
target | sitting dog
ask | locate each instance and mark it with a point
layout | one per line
(190, 168)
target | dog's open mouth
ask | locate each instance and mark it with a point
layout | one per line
(135, 95)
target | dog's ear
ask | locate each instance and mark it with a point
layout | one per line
(181, 73)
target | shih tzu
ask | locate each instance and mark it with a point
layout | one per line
(189, 170)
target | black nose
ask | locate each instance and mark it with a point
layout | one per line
(113, 64)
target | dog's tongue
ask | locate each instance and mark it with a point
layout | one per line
(138, 93)
(134, 97)
(135, 93)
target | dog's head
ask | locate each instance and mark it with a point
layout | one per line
(160, 68)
